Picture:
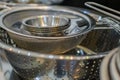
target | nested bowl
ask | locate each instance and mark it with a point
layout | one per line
(11, 21)
(77, 63)
(109, 69)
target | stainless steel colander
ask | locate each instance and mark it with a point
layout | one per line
(31, 65)
(78, 63)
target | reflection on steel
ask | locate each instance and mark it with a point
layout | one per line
(23, 39)
(78, 63)
(98, 40)
(102, 40)
(110, 66)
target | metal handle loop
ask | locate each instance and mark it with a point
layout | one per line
(95, 6)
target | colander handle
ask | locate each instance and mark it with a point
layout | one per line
(108, 23)
(113, 21)
(101, 8)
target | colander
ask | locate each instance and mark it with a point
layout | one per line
(101, 37)
(38, 66)
(79, 63)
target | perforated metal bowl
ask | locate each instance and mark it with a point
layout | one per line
(79, 63)
(76, 64)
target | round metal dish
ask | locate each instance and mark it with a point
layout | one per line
(31, 42)
(46, 25)
(117, 62)
(109, 70)
(114, 73)
(59, 62)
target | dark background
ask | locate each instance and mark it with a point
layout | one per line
(115, 4)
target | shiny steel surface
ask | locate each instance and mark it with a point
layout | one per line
(46, 25)
(58, 69)
(38, 1)
(108, 12)
(76, 34)
(101, 40)
(117, 62)
(114, 72)
(109, 69)
(81, 63)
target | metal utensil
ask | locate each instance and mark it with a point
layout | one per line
(84, 60)
(40, 44)
(117, 62)
(75, 64)
(104, 71)
(46, 25)
(114, 73)
(31, 65)
(109, 66)
(102, 8)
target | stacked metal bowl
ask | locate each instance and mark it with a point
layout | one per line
(54, 57)
(110, 68)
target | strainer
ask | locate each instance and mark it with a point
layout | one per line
(87, 61)
(30, 65)
(75, 64)
(47, 66)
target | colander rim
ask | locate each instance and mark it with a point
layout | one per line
(19, 51)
